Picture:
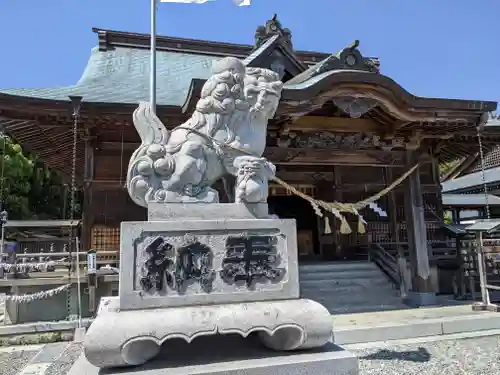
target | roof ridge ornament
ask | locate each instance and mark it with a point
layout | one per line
(271, 28)
(348, 58)
(354, 45)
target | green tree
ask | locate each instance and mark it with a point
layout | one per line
(46, 196)
(444, 168)
(16, 171)
(28, 189)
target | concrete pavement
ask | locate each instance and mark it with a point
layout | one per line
(367, 334)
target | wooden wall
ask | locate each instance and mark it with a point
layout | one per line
(110, 203)
(353, 184)
(111, 165)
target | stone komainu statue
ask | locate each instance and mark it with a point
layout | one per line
(225, 135)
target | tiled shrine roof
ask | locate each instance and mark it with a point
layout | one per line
(122, 76)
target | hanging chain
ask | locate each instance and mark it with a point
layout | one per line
(483, 178)
(72, 204)
(121, 161)
(73, 167)
(3, 211)
(4, 153)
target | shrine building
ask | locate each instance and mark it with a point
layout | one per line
(343, 132)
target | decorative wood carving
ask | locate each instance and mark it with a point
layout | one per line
(332, 141)
(335, 124)
(356, 141)
(355, 107)
(311, 156)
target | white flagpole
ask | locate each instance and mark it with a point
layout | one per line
(152, 73)
(152, 76)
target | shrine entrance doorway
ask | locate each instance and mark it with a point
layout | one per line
(293, 207)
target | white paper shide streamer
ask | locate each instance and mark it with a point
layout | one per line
(376, 208)
(29, 267)
(27, 298)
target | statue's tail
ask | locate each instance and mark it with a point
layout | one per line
(148, 125)
(150, 157)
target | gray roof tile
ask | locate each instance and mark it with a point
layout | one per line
(269, 43)
(122, 76)
(469, 200)
(472, 180)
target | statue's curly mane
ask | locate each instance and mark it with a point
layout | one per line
(222, 101)
(221, 96)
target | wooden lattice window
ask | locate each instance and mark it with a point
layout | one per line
(105, 238)
(278, 190)
(491, 160)
(380, 232)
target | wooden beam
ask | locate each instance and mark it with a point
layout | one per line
(306, 156)
(335, 124)
(127, 146)
(303, 156)
(109, 184)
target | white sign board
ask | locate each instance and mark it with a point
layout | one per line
(91, 263)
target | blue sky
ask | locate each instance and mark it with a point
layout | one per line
(435, 48)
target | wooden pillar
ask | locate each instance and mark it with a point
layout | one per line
(337, 196)
(87, 214)
(324, 190)
(422, 292)
(392, 208)
(437, 182)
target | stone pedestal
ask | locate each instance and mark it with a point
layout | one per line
(133, 337)
(234, 355)
(184, 278)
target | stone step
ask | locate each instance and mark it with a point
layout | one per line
(341, 283)
(354, 299)
(336, 275)
(337, 310)
(336, 266)
(333, 290)
(362, 305)
(349, 287)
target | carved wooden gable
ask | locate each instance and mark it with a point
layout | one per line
(274, 50)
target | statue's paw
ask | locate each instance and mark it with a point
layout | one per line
(155, 151)
(145, 167)
(165, 166)
(254, 192)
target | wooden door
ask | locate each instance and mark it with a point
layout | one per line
(305, 244)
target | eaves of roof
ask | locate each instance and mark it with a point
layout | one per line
(471, 180)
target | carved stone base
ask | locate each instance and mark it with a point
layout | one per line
(206, 211)
(126, 338)
(208, 195)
